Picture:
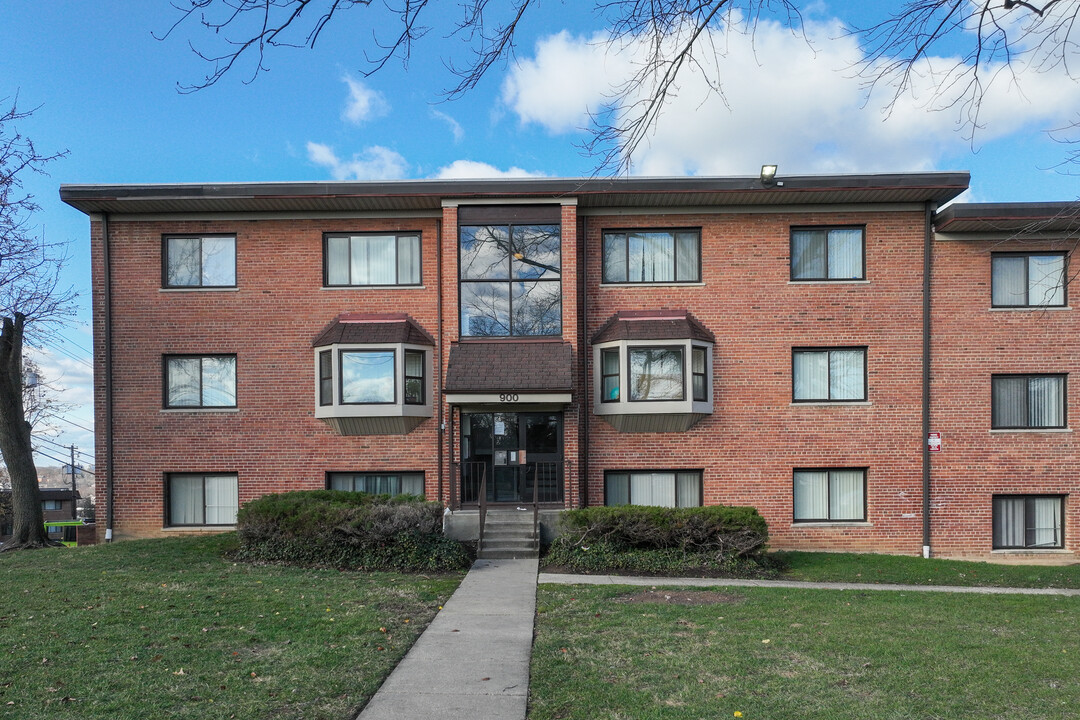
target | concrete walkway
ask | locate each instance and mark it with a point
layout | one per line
(563, 579)
(472, 661)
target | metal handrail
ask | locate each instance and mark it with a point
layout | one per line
(536, 509)
(483, 507)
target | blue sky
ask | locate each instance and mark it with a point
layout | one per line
(106, 91)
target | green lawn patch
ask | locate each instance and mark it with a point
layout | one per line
(902, 569)
(169, 628)
(615, 652)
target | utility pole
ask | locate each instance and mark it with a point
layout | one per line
(74, 513)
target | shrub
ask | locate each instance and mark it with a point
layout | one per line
(331, 528)
(716, 539)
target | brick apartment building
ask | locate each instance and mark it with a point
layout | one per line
(786, 344)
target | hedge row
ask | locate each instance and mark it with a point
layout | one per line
(330, 528)
(628, 538)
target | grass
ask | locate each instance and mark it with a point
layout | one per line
(168, 628)
(898, 569)
(802, 654)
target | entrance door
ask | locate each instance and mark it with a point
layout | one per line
(517, 453)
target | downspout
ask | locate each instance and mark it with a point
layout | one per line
(928, 230)
(583, 349)
(107, 261)
(438, 362)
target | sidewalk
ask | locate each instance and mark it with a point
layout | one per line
(472, 661)
(564, 579)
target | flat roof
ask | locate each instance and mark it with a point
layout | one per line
(420, 195)
(1029, 217)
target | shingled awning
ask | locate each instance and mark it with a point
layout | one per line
(499, 372)
(653, 325)
(373, 328)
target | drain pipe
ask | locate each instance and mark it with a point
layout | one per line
(585, 403)
(928, 230)
(438, 362)
(108, 362)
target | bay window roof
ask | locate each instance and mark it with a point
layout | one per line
(369, 328)
(653, 325)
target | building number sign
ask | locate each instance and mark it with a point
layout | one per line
(508, 397)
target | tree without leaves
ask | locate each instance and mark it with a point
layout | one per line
(32, 303)
(667, 39)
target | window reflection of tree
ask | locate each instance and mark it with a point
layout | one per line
(505, 256)
(656, 374)
(194, 261)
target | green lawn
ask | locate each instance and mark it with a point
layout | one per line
(852, 567)
(167, 628)
(792, 654)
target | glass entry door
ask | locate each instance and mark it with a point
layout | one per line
(519, 453)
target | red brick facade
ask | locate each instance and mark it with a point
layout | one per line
(747, 449)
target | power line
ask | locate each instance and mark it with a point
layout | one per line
(69, 422)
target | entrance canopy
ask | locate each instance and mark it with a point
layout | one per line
(510, 372)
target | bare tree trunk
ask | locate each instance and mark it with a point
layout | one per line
(28, 529)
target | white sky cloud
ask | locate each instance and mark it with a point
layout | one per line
(472, 169)
(363, 103)
(787, 102)
(71, 382)
(373, 163)
(455, 126)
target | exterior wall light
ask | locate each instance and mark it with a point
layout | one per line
(768, 176)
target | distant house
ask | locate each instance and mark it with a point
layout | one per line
(869, 367)
(56, 504)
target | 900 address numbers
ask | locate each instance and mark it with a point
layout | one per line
(508, 397)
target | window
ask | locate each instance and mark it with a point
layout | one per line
(326, 377)
(208, 262)
(699, 374)
(652, 256)
(367, 376)
(827, 254)
(830, 495)
(511, 282)
(828, 374)
(375, 259)
(609, 375)
(1029, 521)
(664, 488)
(656, 373)
(200, 382)
(414, 378)
(393, 483)
(201, 499)
(1027, 401)
(52, 505)
(1027, 279)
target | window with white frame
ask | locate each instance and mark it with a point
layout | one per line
(199, 261)
(367, 376)
(1027, 279)
(652, 256)
(828, 374)
(378, 483)
(1029, 521)
(200, 381)
(829, 494)
(663, 488)
(363, 259)
(201, 499)
(1027, 401)
(822, 253)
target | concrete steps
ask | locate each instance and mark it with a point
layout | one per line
(508, 534)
